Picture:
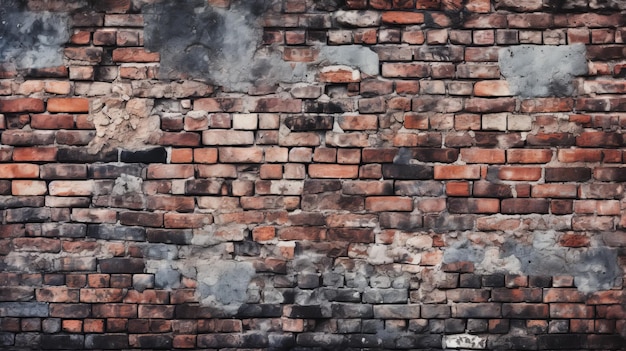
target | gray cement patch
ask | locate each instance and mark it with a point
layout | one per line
(593, 269)
(225, 46)
(542, 70)
(32, 39)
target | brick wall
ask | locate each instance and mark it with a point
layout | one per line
(430, 174)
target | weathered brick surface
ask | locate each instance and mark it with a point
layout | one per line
(374, 178)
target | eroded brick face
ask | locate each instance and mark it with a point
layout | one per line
(291, 174)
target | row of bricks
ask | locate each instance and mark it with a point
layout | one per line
(344, 326)
(483, 310)
(392, 340)
(413, 36)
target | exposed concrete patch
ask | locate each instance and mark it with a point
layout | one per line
(593, 269)
(542, 70)
(129, 124)
(464, 341)
(31, 39)
(224, 283)
(225, 46)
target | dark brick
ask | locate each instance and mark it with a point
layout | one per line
(493, 280)
(470, 281)
(106, 341)
(321, 186)
(156, 155)
(477, 310)
(452, 325)
(121, 265)
(523, 206)
(354, 235)
(169, 236)
(567, 174)
(539, 281)
(435, 155)
(114, 232)
(309, 123)
(440, 223)
(63, 342)
(152, 341)
(553, 139)
(23, 309)
(332, 201)
(82, 155)
(402, 221)
(352, 310)
(509, 342)
(203, 187)
(112, 171)
(259, 310)
(610, 174)
(21, 201)
(63, 171)
(28, 214)
(398, 171)
(306, 312)
(562, 342)
(487, 189)
(322, 340)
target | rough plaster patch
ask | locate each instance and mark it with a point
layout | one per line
(32, 39)
(224, 282)
(542, 70)
(129, 124)
(593, 269)
(224, 46)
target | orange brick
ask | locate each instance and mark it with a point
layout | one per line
(492, 88)
(93, 325)
(72, 326)
(333, 171)
(72, 105)
(56, 121)
(18, 170)
(71, 187)
(339, 74)
(263, 233)
(458, 188)
(402, 17)
(457, 172)
(205, 155)
(240, 154)
(579, 155)
(135, 55)
(388, 203)
(182, 155)
(271, 171)
(34, 154)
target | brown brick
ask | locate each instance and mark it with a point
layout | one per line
(529, 155)
(555, 190)
(476, 155)
(388, 203)
(333, 171)
(473, 205)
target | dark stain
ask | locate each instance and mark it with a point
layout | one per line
(329, 5)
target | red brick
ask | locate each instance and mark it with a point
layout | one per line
(161, 171)
(519, 173)
(56, 121)
(405, 70)
(402, 17)
(71, 105)
(475, 155)
(458, 188)
(135, 55)
(302, 233)
(538, 105)
(21, 105)
(555, 190)
(457, 172)
(186, 220)
(571, 310)
(388, 203)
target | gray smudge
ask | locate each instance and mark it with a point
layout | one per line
(542, 70)
(31, 39)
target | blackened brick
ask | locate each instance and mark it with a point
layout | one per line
(562, 342)
(106, 341)
(82, 155)
(63, 342)
(308, 123)
(121, 265)
(156, 155)
(113, 232)
(567, 174)
(399, 171)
